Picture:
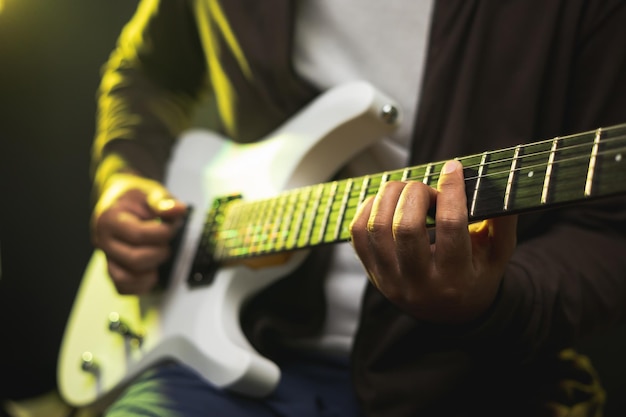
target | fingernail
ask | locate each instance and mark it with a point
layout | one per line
(450, 166)
(166, 204)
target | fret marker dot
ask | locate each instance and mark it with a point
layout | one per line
(531, 173)
(618, 157)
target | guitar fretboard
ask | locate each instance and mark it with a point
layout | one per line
(522, 178)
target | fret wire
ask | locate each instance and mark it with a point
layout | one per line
(286, 222)
(581, 146)
(261, 223)
(240, 224)
(268, 228)
(226, 232)
(364, 187)
(277, 220)
(240, 211)
(363, 191)
(243, 216)
(546, 183)
(257, 228)
(238, 215)
(592, 162)
(342, 207)
(562, 139)
(248, 217)
(334, 209)
(327, 210)
(509, 182)
(431, 173)
(299, 212)
(483, 159)
(577, 158)
(427, 173)
(251, 230)
(319, 189)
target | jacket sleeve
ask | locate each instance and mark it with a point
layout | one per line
(567, 280)
(149, 85)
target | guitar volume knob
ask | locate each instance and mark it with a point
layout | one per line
(89, 364)
(118, 326)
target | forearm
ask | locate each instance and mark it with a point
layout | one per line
(137, 126)
(149, 86)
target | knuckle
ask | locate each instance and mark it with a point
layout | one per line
(147, 258)
(356, 229)
(135, 235)
(136, 259)
(376, 227)
(404, 232)
(447, 221)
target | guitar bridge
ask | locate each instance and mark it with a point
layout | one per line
(205, 263)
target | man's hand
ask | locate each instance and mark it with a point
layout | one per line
(133, 222)
(453, 280)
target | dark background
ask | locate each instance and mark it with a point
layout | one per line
(51, 52)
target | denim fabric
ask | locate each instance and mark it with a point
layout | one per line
(310, 387)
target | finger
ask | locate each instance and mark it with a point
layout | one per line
(127, 227)
(380, 227)
(503, 233)
(164, 206)
(128, 282)
(494, 239)
(358, 232)
(137, 258)
(452, 241)
(409, 227)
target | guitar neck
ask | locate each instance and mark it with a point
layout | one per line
(529, 177)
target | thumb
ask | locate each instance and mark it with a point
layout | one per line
(164, 205)
(495, 238)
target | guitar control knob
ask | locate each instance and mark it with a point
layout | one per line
(88, 364)
(116, 325)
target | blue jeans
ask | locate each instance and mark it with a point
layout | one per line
(309, 387)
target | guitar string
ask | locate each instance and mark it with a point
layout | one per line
(541, 153)
(536, 166)
(323, 201)
(568, 138)
(435, 174)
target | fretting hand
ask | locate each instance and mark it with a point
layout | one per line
(453, 280)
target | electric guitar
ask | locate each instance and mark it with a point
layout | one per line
(269, 198)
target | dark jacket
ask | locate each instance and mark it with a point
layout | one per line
(498, 73)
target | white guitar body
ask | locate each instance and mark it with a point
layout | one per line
(199, 326)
